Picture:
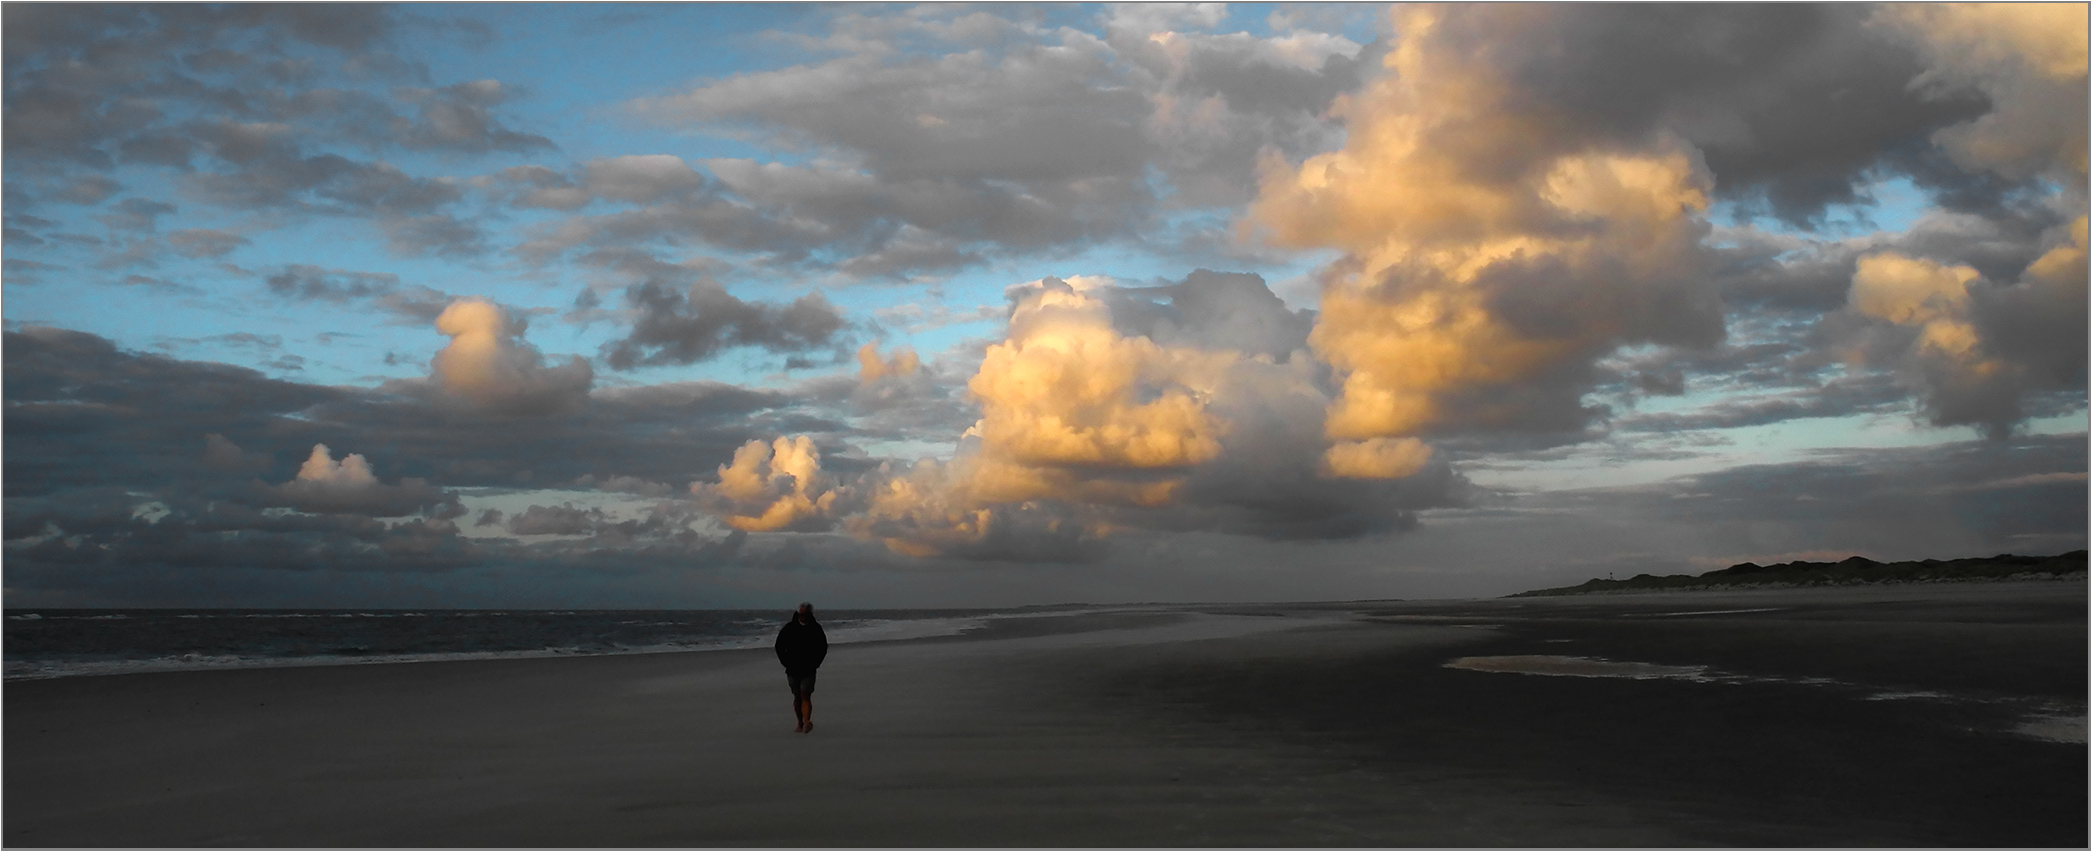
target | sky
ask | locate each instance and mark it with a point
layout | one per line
(715, 305)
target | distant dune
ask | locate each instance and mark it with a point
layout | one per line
(1853, 571)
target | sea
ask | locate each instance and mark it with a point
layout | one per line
(49, 643)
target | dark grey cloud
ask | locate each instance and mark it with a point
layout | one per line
(972, 145)
(562, 519)
(537, 186)
(2018, 336)
(460, 117)
(1791, 106)
(435, 234)
(1266, 480)
(99, 81)
(641, 179)
(1977, 498)
(135, 214)
(88, 189)
(686, 327)
(305, 281)
(1756, 269)
(244, 104)
(221, 454)
(975, 142)
(73, 399)
(138, 465)
(625, 485)
(18, 237)
(1032, 115)
(1866, 394)
(1220, 102)
(205, 243)
(72, 396)
(2027, 494)
(154, 283)
(1213, 310)
(85, 80)
(196, 544)
(720, 222)
(22, 270)
(414, 304)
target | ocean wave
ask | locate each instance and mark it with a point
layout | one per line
(890, 630)
(49, 669)
(179, 641)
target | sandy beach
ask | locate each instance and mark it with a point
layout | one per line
(1945, 715)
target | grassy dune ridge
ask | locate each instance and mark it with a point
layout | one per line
(1853, 571)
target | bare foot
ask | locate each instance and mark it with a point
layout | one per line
(809, 727)
(800, 728)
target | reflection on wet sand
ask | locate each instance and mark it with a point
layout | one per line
(1545, 664)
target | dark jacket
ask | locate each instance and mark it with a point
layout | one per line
(801, 646)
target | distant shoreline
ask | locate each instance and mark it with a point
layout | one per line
(1855, 571)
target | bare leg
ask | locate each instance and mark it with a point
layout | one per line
(799, 710)
(806, 717)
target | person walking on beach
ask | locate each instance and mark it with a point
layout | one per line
(800, 647)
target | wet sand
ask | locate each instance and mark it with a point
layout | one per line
(1899, 716)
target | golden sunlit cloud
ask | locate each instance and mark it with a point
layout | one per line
(1495, 247)
(1925, 295)
(2029, 58)
(322, 470)
(773, 486)
(1065, 388)
(1965, 373)
(1478, 257)
(324, 484)
(871, 368)
(489, 368)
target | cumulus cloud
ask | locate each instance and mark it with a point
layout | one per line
(1973, 343)
(1524, 190)
(1964, 345)
(1378, 458)
(1490, 260)
(1066, 389)
(1104, 409)
(1218, 101)
(775, 486)
(2029, 59)
(929, 509)
(1215, 311)
(900, 366)
(349, 486)
(489, 368)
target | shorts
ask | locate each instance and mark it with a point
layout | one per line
(802, 684)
